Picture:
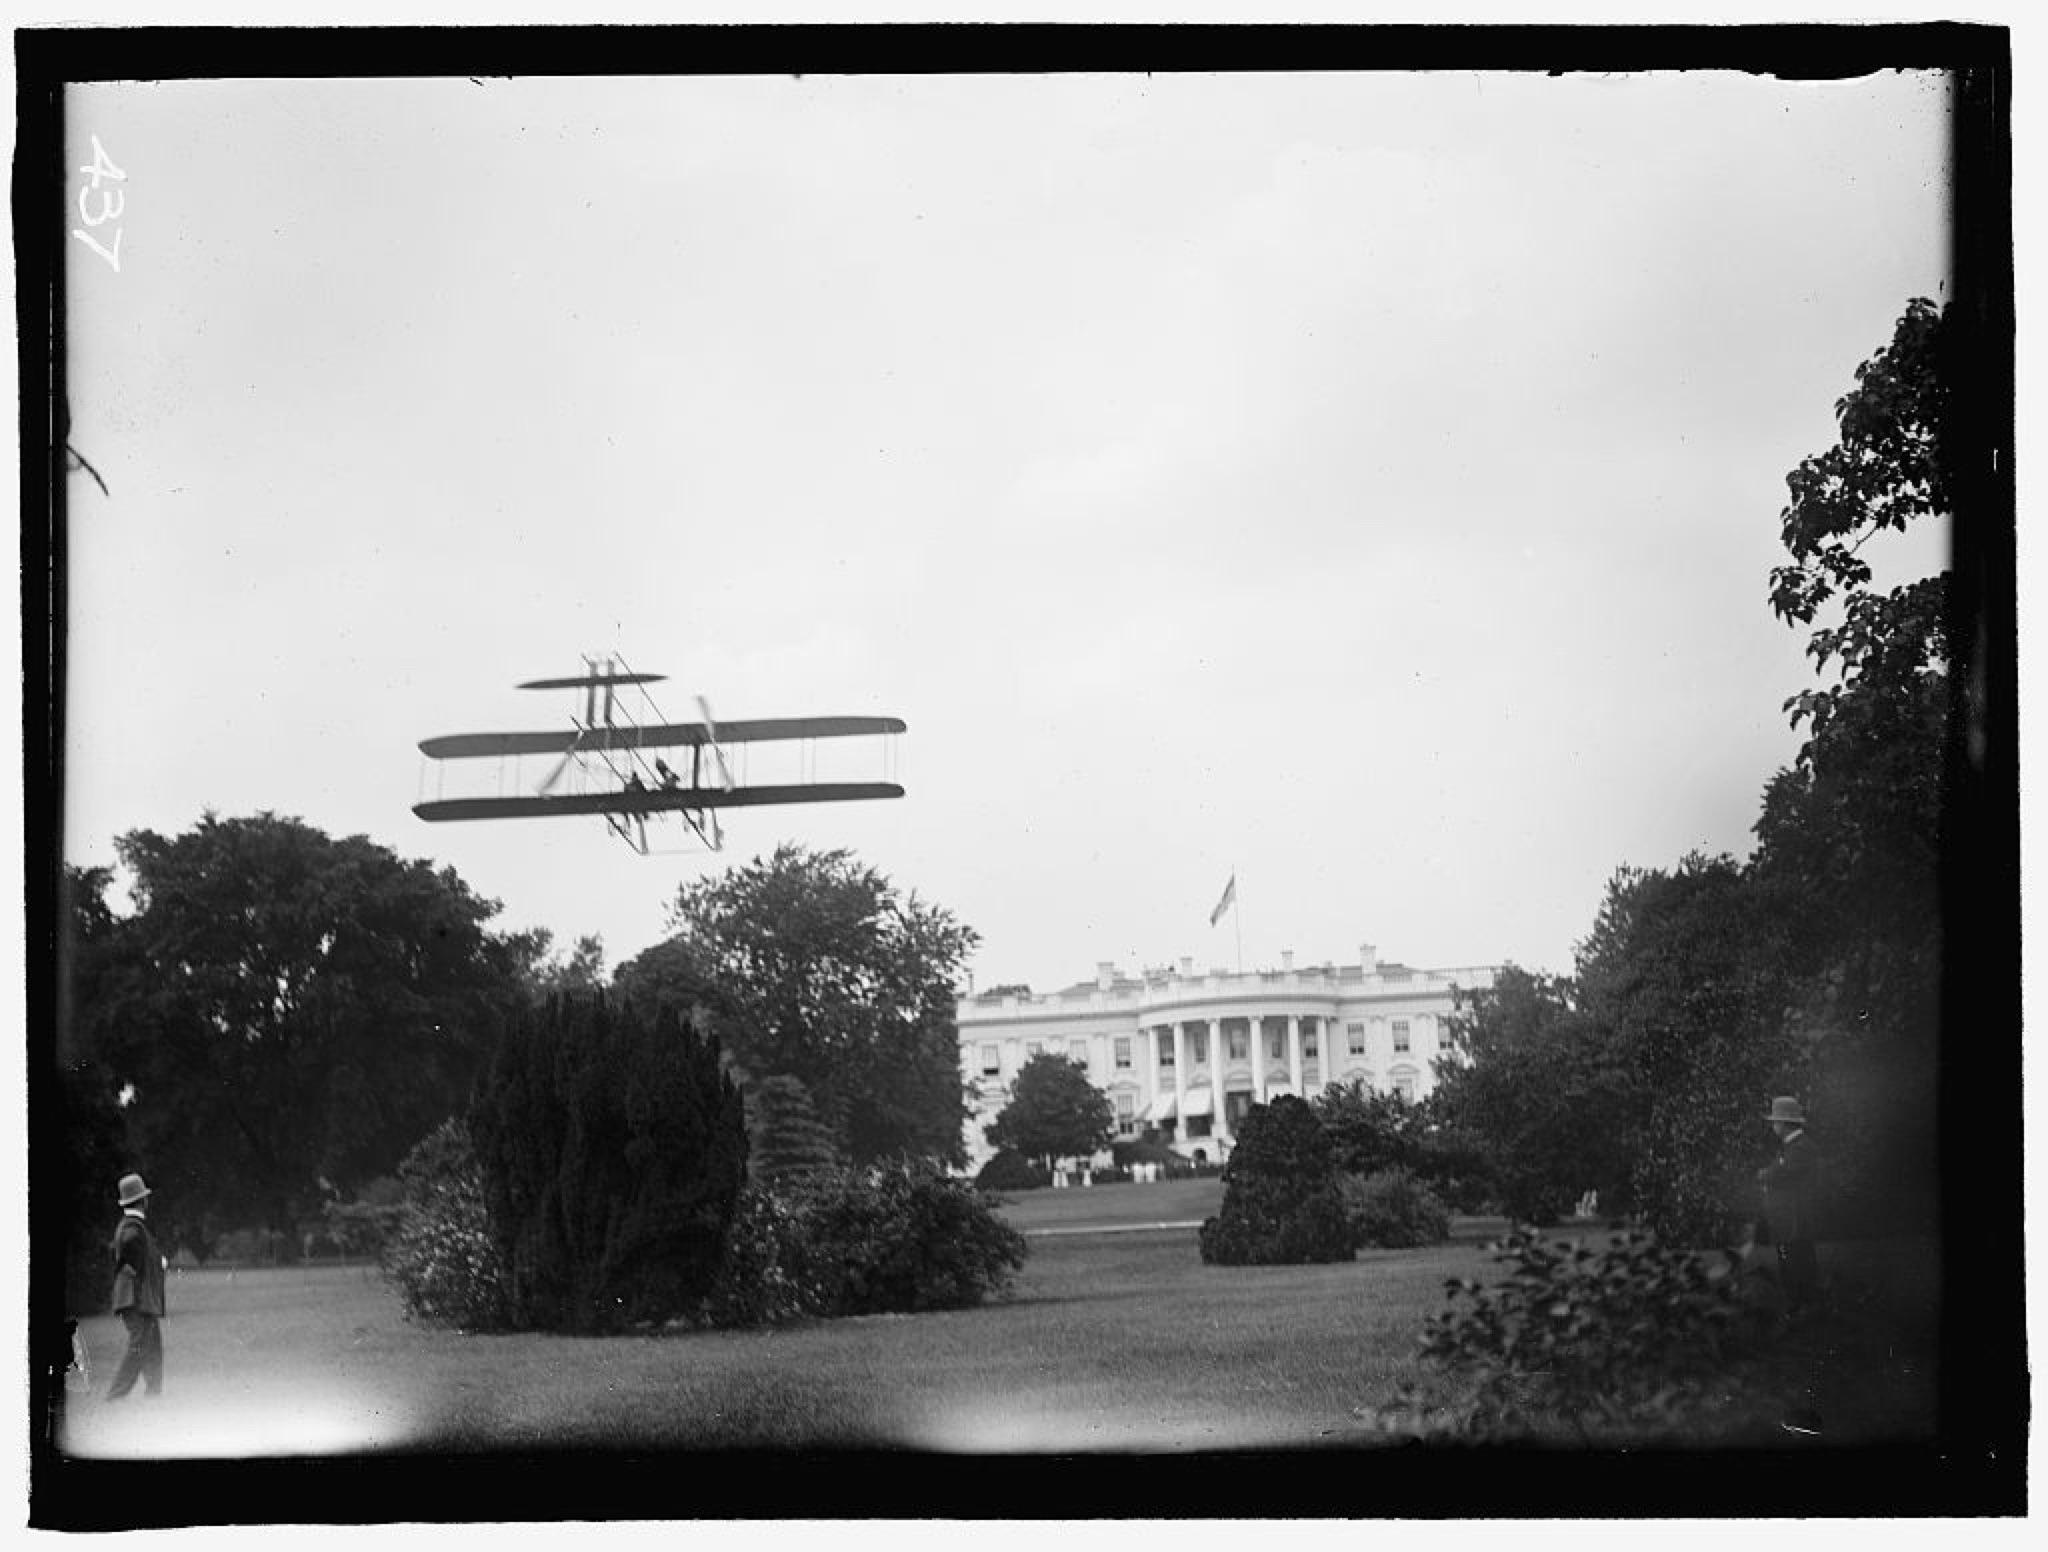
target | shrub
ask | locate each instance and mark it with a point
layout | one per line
(614, 1149)
(1009, 1170)
(441, 1254)
(1126, 1152)
(362, 1227)
(1630, 1343)
(1393, 1210)
(787, 1142)
(766, 1276)
(1280, 1200)
(903, 1237)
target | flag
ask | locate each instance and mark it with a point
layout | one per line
(1229, 897)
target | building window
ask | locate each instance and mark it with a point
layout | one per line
(1239, 1044)
(1123, 1052)
(1311, 1043)
(1276, 1044)
(991, 1061)
(1354, 1039)
(1126, 1115)
(1033, 1048)
(1077, 1051)
(1404, 1087)
(1400, 1034)
(1198, 1044)
(1166, 1053)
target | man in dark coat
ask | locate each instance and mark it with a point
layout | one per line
(1788, 1204)
(138, 1294)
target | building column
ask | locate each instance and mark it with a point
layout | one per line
(1255, 1031)
(1218, 1124)
(1180, 1081)
(1294, 1055)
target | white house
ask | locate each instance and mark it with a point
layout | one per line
(1186, 1055)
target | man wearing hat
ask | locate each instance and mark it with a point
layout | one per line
(138, 1294)
(1788, 1206)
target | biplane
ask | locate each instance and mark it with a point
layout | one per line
(607, 763)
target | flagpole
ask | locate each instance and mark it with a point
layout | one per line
(1237, 919)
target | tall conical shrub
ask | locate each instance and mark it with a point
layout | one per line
(790, 1147)
(614, 1151)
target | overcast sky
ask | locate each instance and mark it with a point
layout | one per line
(1365, 483)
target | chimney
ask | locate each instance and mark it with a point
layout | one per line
(1105, 973)
(1287, 959)
(1187, 964)
(1369, 958)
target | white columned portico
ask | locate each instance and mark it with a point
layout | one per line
(1294, 1055)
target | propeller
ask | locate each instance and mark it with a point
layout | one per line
(561, 765)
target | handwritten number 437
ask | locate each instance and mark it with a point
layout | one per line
(108, 207)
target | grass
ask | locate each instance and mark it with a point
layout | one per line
(1118, 1342)
(1109, 1342)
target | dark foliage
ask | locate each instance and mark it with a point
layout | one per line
(888, 1239)
(1009, 1170)
(833, 979)
(1054, 1112)
(1281, 1204)
(1371, 1132)
(1681, 977)
(1633, 1342)
(614, 1150)
(1539, 1094)
(1393, 1210)
(292, 1011)
(1125, 1152)
(1852, 834)
(903, 1237)
(94, 1159)
(766, 1276)
(364, 1226)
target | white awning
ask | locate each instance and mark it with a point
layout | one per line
(1161, 1109)
(1198, 1102)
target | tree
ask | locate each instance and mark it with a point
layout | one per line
(1054, 1112)
(835, 980)
(287, 1013)
(1370, 1131)
(1853, 832)
(1680, 979)
(551, 974)
(613, 1148)
(1535, 1089)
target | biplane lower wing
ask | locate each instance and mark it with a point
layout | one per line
(656, 801)
(663, 735)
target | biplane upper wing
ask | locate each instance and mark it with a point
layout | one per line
(663, 735)
(584, 681)
(654, 801)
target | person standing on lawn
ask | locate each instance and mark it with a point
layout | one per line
(138, 1294)
(1788, 1204)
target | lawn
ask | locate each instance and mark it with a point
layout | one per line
(1111, 1342)
(1118, 1341)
